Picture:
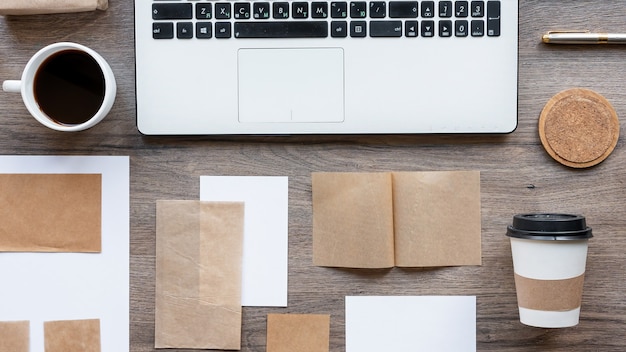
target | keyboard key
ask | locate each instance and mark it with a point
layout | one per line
(460, 28)
(445, 9)
(242, 10)
(403, 9)
(358, 9)
(378, 9)
(338, 9)
(280, 10)
(493, 18)
(300, 9)
(204, 11)
(171, 11)
(203, 30)
(319, 9)
(222, 10)
(428, 28)
(478, 8)
(478, 28)
(385, 28)
(222, 30)
(410, 29)
(184, 30)
(445, 28)
(339, 29)
(261, 10)
(289, 29)
(428, 9)
(358, 29)
(460, 9)
(163, 30)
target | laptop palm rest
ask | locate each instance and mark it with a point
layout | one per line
(291, 85)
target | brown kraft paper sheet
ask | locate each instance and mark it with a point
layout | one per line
(352, 220)
(437, 218)
(51, 212)
(198, 274)
(298, 332)
(72, 335)
(549, 295)
(409, 219)
(15, 336)
(35, 7)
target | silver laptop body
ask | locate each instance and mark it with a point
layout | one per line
(353, 67)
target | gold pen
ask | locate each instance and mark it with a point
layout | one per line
(583, 37)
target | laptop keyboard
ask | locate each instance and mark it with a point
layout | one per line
(324, 19)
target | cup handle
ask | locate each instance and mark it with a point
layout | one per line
(12, 86)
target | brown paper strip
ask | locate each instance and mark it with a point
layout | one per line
(549, 295)
(72, 335)
(437, 218)
(50, 212)
(34, 7)
(14, 336)
(198, 275)
(298, 332)
(352, 220)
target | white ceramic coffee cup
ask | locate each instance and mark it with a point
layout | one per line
(549, 259)
(25, 86)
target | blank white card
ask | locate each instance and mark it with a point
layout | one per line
(411, 323)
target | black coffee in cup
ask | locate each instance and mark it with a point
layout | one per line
(69, 87)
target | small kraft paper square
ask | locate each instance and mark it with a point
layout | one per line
(51, 212)
(14, 336)
(37, 7)
(72, 335)
(298, 332)
(199, 249)
(406, 219)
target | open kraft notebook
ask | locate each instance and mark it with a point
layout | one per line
(405, 219)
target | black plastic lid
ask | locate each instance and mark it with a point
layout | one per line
(549, 227)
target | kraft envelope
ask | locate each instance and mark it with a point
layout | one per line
(409, 219)
(72, 335)
(298, 332)
(14, 336)
(198, 274)
(33, 7)
(50, 212)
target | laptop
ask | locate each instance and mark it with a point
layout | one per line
(326, 67)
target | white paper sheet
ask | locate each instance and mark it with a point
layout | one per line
(265, 243)
(411, 323)
(64, 286)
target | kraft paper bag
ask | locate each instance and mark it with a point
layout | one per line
(198, 274)
(437, 218)
(408, 219)
(36, 7)
(14, 336)
(51, 212)
(353, 220)
(72, 335)
(298, 332)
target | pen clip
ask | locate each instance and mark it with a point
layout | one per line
(568, 31)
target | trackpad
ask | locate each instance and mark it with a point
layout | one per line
(291, 85)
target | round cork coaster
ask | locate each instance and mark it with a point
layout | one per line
(578, 128)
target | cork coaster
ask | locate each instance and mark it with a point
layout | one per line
(578, 128)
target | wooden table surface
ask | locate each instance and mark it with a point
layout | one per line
(517, 176)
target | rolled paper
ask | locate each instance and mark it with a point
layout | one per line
(38, 7)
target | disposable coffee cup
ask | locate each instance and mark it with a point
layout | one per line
(66, 87)
(549, 258)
